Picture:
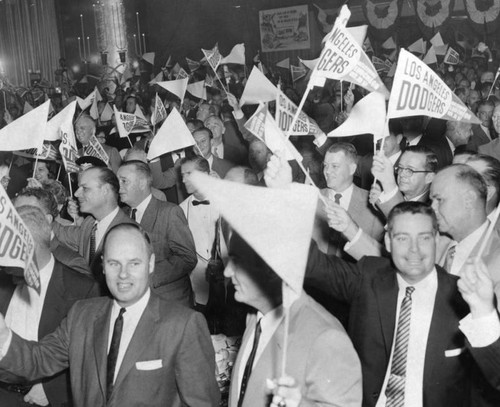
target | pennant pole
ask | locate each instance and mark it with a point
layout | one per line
(341, 97)
(59, 171)
(36, 163)
(69, 183)
(493, 84)
(297, 113)
(130, 142)
(286, 324)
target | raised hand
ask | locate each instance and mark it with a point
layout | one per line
(286, 392)
(278, 173)
(476, 288)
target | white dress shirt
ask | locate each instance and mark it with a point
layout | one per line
(464, 248)
(141, 208)
(345, 200)
(130, 320)
(269, 324)
(103, 225)
(218, 150)
(422, 308)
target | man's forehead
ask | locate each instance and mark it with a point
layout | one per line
(335, 156)
(412, 223)
(412, 158)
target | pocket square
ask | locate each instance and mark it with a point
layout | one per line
(149, 365)
(453, 352)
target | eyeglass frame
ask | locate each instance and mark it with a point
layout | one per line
(411, 171)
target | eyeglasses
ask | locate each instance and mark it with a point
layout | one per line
(408, 172)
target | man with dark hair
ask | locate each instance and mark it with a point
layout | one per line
(415, 172)
(166, 224)
(97, 196)
(203, 148)
(43, 199)
(133, 349)
(32, 314)
(481, 133)
(404, 315)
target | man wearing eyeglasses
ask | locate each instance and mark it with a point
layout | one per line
(414, 174)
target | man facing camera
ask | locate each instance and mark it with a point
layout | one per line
(320, 356)
(134, 349)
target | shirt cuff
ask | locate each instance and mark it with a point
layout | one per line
(384, 197)
(238, 114)
(356, 237)
(320, 140)
(5, 348)
(482, 331)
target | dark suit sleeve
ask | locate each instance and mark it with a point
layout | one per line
(68, 235)
(182, 259)
(332, 275)
(163, 179)
(195, 365)
(488, 360)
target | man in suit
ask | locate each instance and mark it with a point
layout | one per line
(85, 128)
(404, 315)
(167, 227)
(43, 199)
(482, 133)
(97, 196)
(315, 339)
(457, 136)
(415, 172)
(493, 147)
(33, 315)
(226, 141)
(339, 166)
(203, 138)
(134, 349)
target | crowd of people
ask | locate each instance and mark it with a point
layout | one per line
(142, 278)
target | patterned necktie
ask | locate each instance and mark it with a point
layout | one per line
(113, 353)
(196, 203)
(395, 391)
(337, 198)
(248, 366)
(132, 214)
(450, 255)
(92, 247)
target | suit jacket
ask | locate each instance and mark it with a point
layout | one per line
(78, 238)
(315, 339)
(172, 338)
(221, 166)
(235, 149)
(370, 287)
(386, 207)
(492, 148)
(68, 257)
(360, 210)
(173, 247)
(66, 286)
(478, 138)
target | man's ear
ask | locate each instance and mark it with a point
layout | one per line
(491, 191)
(387, 241)
(152, 263)
(429, 177)
(469, 198)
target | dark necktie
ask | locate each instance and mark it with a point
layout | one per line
(132, 214)
(92, 247)
(196, 203)
(337, 198)
(395, 391)
(113, 353)
(450, 255)
(248, 366)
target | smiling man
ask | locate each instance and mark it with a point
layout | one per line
(404, 315)
(134, 349)
(97, 196)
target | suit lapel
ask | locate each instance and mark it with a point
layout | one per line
(386, 292)
(54, 298)
(101, 333)
(149, 217)
(142, 335)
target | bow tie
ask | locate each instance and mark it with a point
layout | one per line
(196, 203)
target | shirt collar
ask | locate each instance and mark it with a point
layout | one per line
(141, 208)
(46, 272)
(272, 318)
(104, 223)
(135, 309)
(472, 238)
(393, 158)
(422, 285)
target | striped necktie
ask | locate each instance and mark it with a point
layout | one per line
(395, 391)
(92, 247)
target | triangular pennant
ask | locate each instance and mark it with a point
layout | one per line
(367, 46)
(85, 103)
(379, 64)
(285, 111)
(258, 89)
(430, 57)
(68, 150)
(343, 58)
(262, 68)
(452, 57)
(169, 63)
(192, 64)
(47, 152)
(437, 40)
(138, 112)
(441, 49)
(236, 56)
(18, 245)
(173, 135)
(124, 122)
(417, 90)
(309, 64)
(297, 72)
(418, 47)
(198, 89)
(389, 43)
(176, 68)
(210, 81)
(28, 131)
(107, 113)
(182, 74)
(282, 244)
(392, 71)
(359, 34)
(27, 108)
(285, 64)
(367, 116)
(157, 78)
(94, 111)
(213, 57)
(95, 149)
(64, 117)
(159, 112)
(149, 57)
(177, 87)
(326, 27)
